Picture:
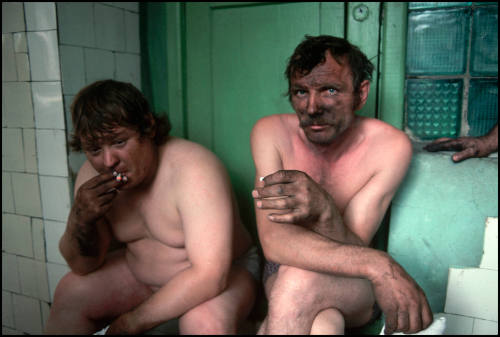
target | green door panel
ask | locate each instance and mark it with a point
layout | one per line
(363, 31)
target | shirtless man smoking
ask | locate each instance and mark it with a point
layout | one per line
(187, 254)
(328, 179)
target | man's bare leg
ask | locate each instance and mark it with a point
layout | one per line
(223, 313)
(328, 322)
(297, 296)
(86, 304)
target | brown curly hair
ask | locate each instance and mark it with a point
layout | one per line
(103, 105)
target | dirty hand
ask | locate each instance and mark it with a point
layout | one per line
(94, 198)
(401, 299)
(298, 198)
(123, 325)
(469, 147)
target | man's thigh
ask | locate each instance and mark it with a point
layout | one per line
(222, 313)
(107, 292)
(291, 286)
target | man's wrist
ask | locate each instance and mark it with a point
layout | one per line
(377, 266)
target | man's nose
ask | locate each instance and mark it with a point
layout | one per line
(110, 158)
(312, 104)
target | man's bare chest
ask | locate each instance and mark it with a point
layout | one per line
(133, 219)
(342, 178)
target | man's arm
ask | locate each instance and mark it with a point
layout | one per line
(468, 147)
(204, 203)
(87, 236)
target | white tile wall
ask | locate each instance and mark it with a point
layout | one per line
(12, 17)
(482, 327)
(72, 69)
(33, 277)
(10, 275)
(26, 194)
(44, 55)
(473, 292)
(7, 193)
(52, 152)
(34, 170)
(23, 67)
(27, 314)
(110, 27)
(76, 23)
(29, 146)
(490, 256)
(48, 105)
(128, 69)
(20, 43)
(458, 325)
(8, 59)
(132, 41)
(55, 198)
(99, 65)
(12, 150)
(7, 314)
(38, 235)
(40, 16)
(17, 107)
(16, 235)
(54, 230)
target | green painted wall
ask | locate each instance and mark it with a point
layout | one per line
(438, 218)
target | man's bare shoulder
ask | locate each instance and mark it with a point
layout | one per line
(181, 158)
(387, 140)
(274, 128)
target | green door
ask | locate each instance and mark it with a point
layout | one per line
(235, 58)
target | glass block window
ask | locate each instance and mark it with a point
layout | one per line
(451, 69)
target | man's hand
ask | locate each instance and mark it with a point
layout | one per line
(92, 201)
(469, 147)
(299, 200)
(94, 198)
(123, 325)
(401, 299)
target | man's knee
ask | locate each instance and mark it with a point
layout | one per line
(72, 288)
(204, 320)
(293, 292)
(293, 282)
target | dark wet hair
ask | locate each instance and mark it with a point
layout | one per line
(311, 52)
(104, 105)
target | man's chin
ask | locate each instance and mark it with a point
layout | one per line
(320, 139)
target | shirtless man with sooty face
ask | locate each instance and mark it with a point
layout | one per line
(328, 177)
(187, 254)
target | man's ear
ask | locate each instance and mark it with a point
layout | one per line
(152, 122)
(364, 89)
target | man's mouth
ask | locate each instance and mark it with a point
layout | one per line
(318, 127)
(120, 176)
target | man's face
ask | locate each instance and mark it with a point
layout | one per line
(122, 151)
(324, 100)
